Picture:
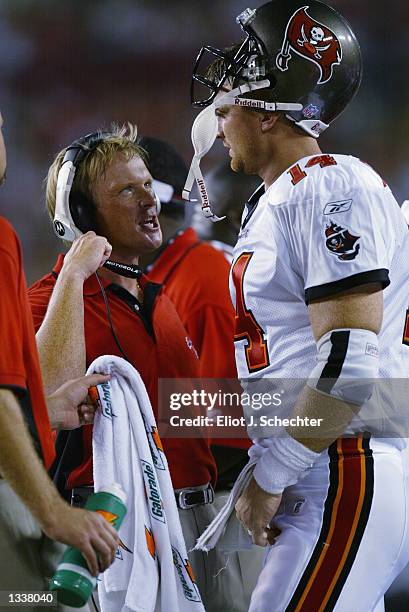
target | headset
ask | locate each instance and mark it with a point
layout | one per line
(75, 213)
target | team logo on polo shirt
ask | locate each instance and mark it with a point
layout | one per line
(191, 346)
(152, 492)
(341, 243)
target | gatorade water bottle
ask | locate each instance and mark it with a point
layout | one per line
(72, 580)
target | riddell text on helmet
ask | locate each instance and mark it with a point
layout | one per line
(252, 103)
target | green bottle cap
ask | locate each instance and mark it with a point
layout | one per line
(114, 488)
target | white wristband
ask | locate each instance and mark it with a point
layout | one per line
(282, 464)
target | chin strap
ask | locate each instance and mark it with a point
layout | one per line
(204, 133)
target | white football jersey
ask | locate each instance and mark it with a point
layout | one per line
(327, 224)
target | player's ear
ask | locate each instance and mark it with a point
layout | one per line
(268, 120)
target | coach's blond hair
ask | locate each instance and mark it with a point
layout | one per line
(121, 139)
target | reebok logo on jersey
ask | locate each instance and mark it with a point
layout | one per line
(337, 207)
(298, 505)
(341, 243)
(371, 349)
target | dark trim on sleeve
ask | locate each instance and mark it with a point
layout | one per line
(332, 369)
(16, 389)
(343, 284)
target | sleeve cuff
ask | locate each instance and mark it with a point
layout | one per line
(263, 476)
(362, 278)
(13, 381)
(282, 464)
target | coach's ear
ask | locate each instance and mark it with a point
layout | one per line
(268, 121)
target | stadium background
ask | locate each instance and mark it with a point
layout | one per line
(67, 68)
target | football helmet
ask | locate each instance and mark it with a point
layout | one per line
(298, 57)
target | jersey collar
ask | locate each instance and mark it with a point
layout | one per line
(252, 202)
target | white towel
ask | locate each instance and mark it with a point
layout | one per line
(226, 530)
(151, 572)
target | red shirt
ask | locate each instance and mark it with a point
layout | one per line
(19, 363)
(156, 343)
(195, 276)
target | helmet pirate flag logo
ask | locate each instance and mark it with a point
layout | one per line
(313, 41)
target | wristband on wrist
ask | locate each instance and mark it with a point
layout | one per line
(282, 464)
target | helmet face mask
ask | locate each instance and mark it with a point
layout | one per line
(306, 50)
(230, 66)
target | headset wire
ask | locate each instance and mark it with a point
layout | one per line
(108, 310)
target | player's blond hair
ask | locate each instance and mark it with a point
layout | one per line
(121, 139)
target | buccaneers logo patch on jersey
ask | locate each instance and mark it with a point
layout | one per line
(311, 40)
(340, 242)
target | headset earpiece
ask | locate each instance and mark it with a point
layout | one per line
(83, 212)
(74, 213)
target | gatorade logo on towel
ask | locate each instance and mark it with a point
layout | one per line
(104, 396)
(186, 576)
(152, 492)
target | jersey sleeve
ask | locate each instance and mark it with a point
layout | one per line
(341, 236)
(12, 369)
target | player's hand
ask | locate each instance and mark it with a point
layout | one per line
(70, 406)
(87, 253)
(255, 510)
(87, 531)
